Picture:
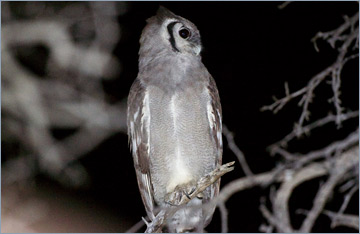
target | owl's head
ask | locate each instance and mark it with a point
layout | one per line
(168, 32)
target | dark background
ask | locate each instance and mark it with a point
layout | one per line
(251, 49)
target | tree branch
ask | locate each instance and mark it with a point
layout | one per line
(307, 129)
(346, 220)
(235, 149)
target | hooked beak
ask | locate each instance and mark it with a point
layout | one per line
(197, 49)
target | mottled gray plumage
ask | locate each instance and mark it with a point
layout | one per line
(174, 120)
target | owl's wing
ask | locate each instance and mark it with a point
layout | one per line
(137, 122)
(215, 123)
(215, 118)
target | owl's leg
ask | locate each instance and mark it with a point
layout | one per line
(191, 189)
(173, 198)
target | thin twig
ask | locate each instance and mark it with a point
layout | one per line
(136, 227)
(308, 91)
(307, 129)
(284, 4)
(344, 205)
(235, 149)
(224, 217)
(346, 220)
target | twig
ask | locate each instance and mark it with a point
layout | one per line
(271, 219)
(335, 35)
(280, 205)
(54, 35)
(235, 149)
(281, 219)
(347, 220)
(224, 217)
(136, 227)
(284, 4)
(335, 84)
(249, 182)
(279, 104)
(307, 129)
(335, 147)
(308, 91)
(266, 228)
(347, 199)
(302, 159)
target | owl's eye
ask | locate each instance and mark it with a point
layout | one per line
(184, 33)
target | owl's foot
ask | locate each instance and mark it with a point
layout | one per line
(174, 198)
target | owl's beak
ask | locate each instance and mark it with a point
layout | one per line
(197, 49)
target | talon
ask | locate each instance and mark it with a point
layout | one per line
(169, 203)
(187, 195)
(192, 190)
(176, 196)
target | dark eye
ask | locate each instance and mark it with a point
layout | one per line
(184, 33)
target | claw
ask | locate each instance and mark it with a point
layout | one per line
(200, 196)
(169, 203)
(175, 197)
(187, 194)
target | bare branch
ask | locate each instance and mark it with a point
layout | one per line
(271, 219)
(279, 104)
(235, 149)
(280, 205)
(224, 218)
(335, 35)
(346, 220)
(284, 4)
(337, 166)
(335, 84)
(290, 181)
(136, 227)
(307, 129)
(308, 91)
(347, 199)
(348, 160)
(335, 147)
(38, 105)
(249, 182)
(338, 146)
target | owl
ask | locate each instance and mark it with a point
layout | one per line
(174, 121)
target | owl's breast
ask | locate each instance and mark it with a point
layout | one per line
(181, 147)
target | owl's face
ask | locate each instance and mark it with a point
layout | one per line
(169, 32)
(182, 36)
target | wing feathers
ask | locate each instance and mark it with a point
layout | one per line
(137, 120)
(215, 123)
